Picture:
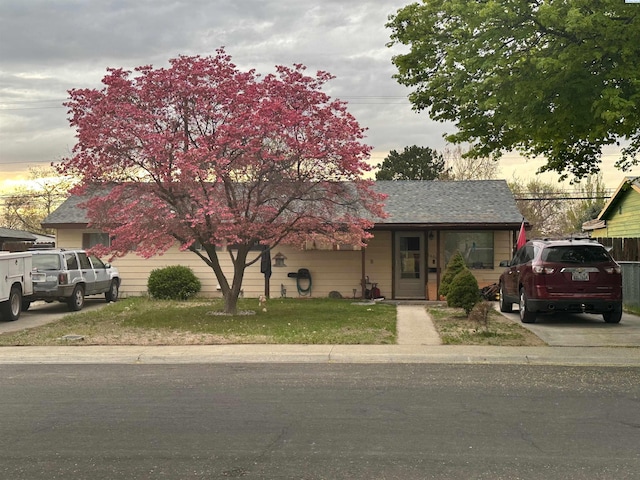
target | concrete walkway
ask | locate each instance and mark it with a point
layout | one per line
(415, 326)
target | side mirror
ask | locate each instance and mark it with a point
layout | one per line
(505, 263)
(107, 265)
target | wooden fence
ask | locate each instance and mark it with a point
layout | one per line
(624, 249)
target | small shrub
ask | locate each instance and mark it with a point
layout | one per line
(175, 282)
(463, 291)
(454, 267)
(480, 314)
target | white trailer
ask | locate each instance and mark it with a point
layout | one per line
(15, 283)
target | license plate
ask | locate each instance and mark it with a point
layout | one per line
(580, 276)
(39, 277)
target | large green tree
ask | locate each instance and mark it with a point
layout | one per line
(559, 79)
(413, 163)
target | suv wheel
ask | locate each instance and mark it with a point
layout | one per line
(613, 317)
(111, 295)
(76, 300)
(505, 305)
(526, 316)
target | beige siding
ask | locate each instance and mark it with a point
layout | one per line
(502, 250)
(330, 270)
(339, 271)
(378, 262)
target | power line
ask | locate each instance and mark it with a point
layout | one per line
(357, 100)
(560, 198)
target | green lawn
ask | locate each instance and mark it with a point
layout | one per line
(141, 321)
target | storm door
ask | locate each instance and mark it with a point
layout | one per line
(409, 265)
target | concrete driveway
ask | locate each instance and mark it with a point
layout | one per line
(40, 313)
(582, 330)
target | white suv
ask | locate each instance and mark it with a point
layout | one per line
(70, 275)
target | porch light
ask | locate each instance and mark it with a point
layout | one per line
(278, 260)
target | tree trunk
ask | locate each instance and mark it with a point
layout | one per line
(239, 263)
(229, 292)
(230, 303)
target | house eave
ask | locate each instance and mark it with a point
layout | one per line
(64, 225)
(447, 226)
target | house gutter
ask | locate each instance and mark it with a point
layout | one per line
(448, 226)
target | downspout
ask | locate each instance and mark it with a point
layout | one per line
(438, 265)
(363, 277)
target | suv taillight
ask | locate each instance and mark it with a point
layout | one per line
(540, 270)
(613, 270)
(63, 279)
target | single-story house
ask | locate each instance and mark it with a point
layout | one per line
(620, 217)
(428, 222)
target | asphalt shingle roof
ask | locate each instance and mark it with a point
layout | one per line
(69, 212)
(409, 202)
(436, 202)
(17, 235)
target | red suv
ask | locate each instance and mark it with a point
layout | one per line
(569, 275)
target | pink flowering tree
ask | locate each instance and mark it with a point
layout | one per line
(219, 160)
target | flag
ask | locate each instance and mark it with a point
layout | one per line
(522, 237)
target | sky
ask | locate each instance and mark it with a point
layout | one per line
(50, 46)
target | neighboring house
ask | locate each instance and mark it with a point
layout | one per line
(620, 217)
(15, 240)
(428, 222)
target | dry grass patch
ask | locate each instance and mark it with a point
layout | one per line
(455, 328)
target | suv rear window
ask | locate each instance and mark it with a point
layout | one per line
(575, 254)
(46, 261)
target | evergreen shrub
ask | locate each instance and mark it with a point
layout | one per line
(456, 265)
(463, 291)
(175, 282)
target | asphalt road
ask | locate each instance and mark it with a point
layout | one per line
(320, 421)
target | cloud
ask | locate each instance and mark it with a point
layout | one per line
(50, 46)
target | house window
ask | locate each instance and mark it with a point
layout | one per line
(475, 247)
(90, 240)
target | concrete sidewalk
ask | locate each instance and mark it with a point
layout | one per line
(212, 354)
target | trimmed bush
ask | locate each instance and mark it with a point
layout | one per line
(175, 282)
(463, 291)
(454, 267)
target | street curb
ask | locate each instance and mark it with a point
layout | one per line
(330, 354)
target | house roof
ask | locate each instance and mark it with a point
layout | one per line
(632, 182)
(9, 234)
(488, 203)
(438, 203)
(69, 213)
(593, 225)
